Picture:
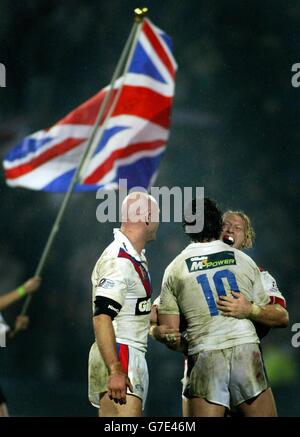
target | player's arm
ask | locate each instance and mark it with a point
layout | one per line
(167, 315)
(270, 315)
(170, 334)
(111, 287)
(21, 324)
(13, 296)
(118, 381)
(161, 333)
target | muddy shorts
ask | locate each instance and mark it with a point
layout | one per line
(228, 376)
(134, 363)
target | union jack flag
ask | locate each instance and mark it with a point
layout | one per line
(134, 138)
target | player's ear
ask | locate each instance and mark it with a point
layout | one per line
(148, 220)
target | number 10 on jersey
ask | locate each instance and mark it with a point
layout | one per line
(219, 287)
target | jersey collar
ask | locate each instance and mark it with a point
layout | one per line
(126, 245)
(206, 244)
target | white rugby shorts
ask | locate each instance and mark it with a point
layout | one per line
(133, 362)
(228, 376)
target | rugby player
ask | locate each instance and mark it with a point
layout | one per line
(237, 232)
(21, 322)
(226, 363)
(118, 374)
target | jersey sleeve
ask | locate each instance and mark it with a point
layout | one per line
(111, 279)
(272, 289)
(156, 301)
(4, 328)
(168, 301)
(260, 296)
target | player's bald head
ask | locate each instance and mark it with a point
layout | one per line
(139, 207)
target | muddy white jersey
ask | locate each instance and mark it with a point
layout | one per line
(272, 289)
(121, 275)
(193, 282)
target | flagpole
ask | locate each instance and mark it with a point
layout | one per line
(98, 136)
(125, 58)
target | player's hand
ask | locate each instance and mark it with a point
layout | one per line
(166, 335)
(234, 306)
(117, 384)
(32, 285)
(21, 323)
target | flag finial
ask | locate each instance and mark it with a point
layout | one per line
(140, 13)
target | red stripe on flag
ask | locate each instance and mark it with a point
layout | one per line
(107, 165)
(145, 103)
(134, 100)
(49, 154)
(158, 48)
(88, 111)
(124, 356)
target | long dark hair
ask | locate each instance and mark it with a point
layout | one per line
(212, 221)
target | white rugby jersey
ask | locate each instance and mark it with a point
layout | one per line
(196, 278)
(4, 328)
(272, 289)
(121, 274)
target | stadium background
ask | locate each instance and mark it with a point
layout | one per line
(235, 131)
